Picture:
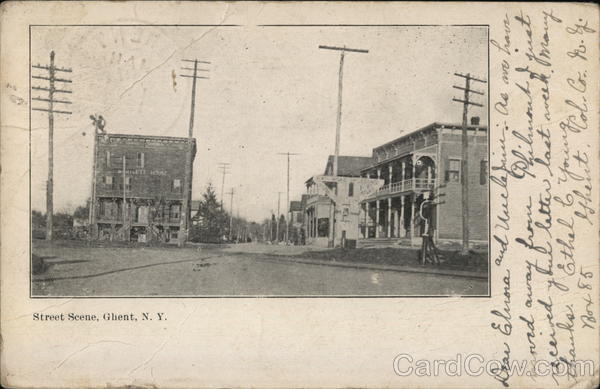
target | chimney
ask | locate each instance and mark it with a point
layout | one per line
(475, 120)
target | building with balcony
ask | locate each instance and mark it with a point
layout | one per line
(139, 187)
(427, 160)
(332, 204)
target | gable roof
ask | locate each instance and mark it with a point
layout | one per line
(348, 165)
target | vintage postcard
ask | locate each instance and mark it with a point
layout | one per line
(299, 194)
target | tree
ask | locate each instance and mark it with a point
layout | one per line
(82, 212)
(38, 219)
(212, 220)
(273, 236)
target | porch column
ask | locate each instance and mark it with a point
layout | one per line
(377, 218)
(389, 218)
(396, 228)
(412, 217)
(332, 224)
(401, 230)
(390, 173)
(402, 174)
(378, 172)
(414, 165)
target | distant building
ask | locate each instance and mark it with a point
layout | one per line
(139, 187)
(332, 208)
(295, 222)
(428, 160)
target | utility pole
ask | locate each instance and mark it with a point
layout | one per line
(271, 227)
(231, 213)
(184, 221)
(237, 228)
(464, 174)
(224, 167)
(339, 111)
(99, 124)
(287, 221)
(278, 214)
(51, 89)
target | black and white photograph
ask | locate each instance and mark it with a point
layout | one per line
(299, 194)
(236, 161)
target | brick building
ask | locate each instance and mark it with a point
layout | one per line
(427, 159)
(139, 187)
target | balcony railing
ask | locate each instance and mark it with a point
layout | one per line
(412, 184)
(118, 218)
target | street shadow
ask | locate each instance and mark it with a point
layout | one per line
(50, 279)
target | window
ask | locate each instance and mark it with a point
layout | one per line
(140, 160)
(453, 171)
(351, 189)
(127, 183)
(483, 172)
(174, 211)
(176, 185)
(107, 158)
(107, 181)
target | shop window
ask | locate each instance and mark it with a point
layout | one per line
(323, 227)
(453, 171)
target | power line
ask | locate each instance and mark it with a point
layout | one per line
(278, 216)
(50, 100)
(287, 224)
(187, 195)
(465, 153)
(231, 192)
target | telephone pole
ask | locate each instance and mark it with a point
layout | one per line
(343, 51)
(278, 214)
(51, 100)
(187, 193)
(464, 174)
(224, 168)
(231, 192)
(287, 221)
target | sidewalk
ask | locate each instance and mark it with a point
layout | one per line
(293, 254)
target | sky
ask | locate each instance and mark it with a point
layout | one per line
(270, 90)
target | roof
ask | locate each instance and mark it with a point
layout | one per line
(348, 166)
(295, 206)
(428, 127)
(146, 137)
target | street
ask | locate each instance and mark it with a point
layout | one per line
(240, 270)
